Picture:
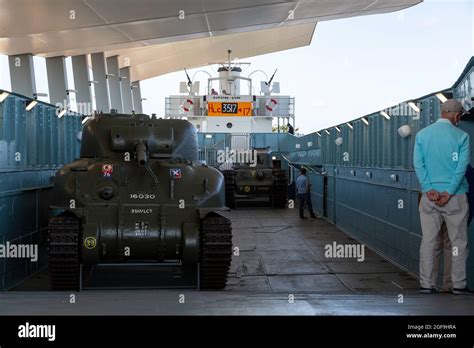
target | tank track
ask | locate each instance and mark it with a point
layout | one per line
(229, 177)
(280, 188)
(64, 252)
(216, 252)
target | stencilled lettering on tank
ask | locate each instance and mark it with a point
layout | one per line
(141, 228)
(143, 196)
(141, 211)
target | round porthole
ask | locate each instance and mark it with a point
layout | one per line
(229, 125)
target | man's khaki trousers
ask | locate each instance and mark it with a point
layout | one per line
(444, 249)
(455, 214)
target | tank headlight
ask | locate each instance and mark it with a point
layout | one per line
(106, 192)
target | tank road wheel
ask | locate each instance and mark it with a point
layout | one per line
(280, 188)
(64, 252)
(216, 252)
(229, 177)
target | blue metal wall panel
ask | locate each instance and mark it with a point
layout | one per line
(33, 145)
(368, 209)
(317, 192)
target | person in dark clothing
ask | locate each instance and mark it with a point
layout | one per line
(303, 194)
(291, 130)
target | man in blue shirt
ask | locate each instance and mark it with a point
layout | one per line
(303, 194)
(440, 158)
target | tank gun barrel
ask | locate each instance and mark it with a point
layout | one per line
(142, 154)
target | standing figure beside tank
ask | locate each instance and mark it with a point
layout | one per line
(440, 158)
(303, 187)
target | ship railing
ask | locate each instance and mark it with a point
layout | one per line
(184, 106)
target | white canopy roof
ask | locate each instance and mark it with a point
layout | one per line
(151, 32)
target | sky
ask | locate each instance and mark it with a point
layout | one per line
(353, 66)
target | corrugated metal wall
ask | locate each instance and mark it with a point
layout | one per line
(33, 145)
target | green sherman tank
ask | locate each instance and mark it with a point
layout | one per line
(135, 199)
(265, 180)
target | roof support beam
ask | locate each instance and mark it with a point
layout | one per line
(126, 88)
(113, 78)
(137, 97)
(82, 84)
(101, 88)
(57, 81)
(22, 74)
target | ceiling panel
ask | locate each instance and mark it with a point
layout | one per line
(95, 49)
(120, 11)
(162, 59)
(56, 41)
(162, 28)
(329, 9)
(249, 16)
(20, 45)
(140, 55)
(114, 12)
(38, 16)
(100, 25)
(170, 39)
(220, 5)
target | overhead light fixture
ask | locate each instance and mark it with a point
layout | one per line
(86, 119)
(384, 114)
(62, 113)
(319, 134)
(441, 97)
(338, 129)
(36, 95)
(327, 131)
(4, 96)
(414, 107)
(208, 136)
(349, 125)
(365, 121)
(31, 105)
(404, 131)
